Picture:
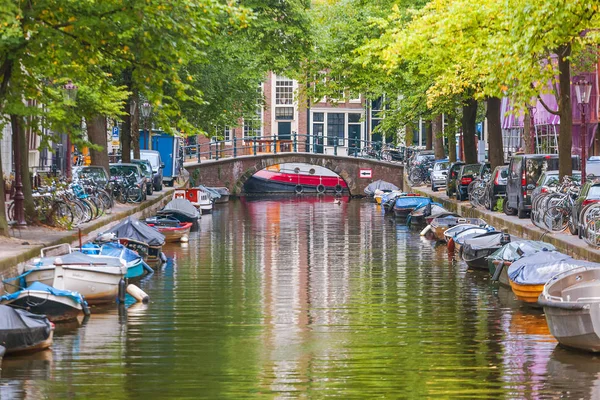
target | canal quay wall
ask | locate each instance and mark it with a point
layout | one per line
(563, 241)
(25, 244)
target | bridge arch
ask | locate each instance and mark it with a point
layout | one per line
(234, 172)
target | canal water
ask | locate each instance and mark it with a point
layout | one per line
(305, 298)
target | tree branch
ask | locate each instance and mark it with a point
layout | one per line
(546, 107)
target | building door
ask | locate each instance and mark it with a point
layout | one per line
(284, 130)
(354, 138)
(318, 138)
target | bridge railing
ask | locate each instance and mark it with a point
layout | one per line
(293, 143)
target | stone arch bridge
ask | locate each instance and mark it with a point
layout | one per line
(234, 172)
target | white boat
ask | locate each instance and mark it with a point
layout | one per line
(95, 278)
(200, 199)
(571, 302)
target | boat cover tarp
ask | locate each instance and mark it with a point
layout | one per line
(77, 257)
(132, 228)
(111, 250)
(485, 241)
(19, 328)
(538, 268)
(212, 193)
(404, 202)
(41, 287)
(181, 206)
(470, 233)
(436, 208)
(520, 248)
(222, 190)
(381, 185)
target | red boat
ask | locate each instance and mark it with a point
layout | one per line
(295, 178)
(172, 229)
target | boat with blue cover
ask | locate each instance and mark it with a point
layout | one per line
(136, 267)
(405, 204)
(38, 298)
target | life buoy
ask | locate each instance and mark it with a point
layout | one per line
(338, 188)
(298, 189)
(320, 188)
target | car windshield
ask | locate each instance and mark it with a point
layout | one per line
(96, 174)
(123, 170)
(143, 166)
(472, 169)
(594, 192)
(152, 157)
(440, 166)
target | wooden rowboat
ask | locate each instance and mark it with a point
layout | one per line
(174, 233)
(440, 225)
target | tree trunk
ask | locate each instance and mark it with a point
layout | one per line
(451, 132)
(135, 126)
(18, 128)
(437, 125)
(565, 140)
(126, 132)
(526, 135)
(469, 122)
(3, 223)
(96, 128)
(408, 135)
(428, 136)
(495, 145)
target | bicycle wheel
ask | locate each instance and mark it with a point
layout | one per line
(415, 177)
(557, 218)
(134, 194)
(106, 200)
(10, 212)
(61, 215)
(476, 196)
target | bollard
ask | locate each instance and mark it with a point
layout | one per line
(122, 291)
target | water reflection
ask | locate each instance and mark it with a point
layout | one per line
(303, 297)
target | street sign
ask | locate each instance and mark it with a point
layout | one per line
(115, 132)
(365, 173)
(115, 143)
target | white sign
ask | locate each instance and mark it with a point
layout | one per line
(365, 173)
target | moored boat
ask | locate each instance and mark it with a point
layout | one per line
(405, 204)
(181, 209)
(132, 260)
(501, 259)
(95, 278)
(139, 237)
(476, 249)
(172, 229)
(441, 224)
(23, 332)
(457, 237)
(571, 301)
(38, 298)
(295, 178)
(379, 185)
(419, 215)
(224, 192)
(529, 274)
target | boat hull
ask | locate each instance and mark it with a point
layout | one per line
(97, 285)
(174, 234)
(43, 345)
(577, 328)
(258, 185)
(55, 308)
(526, 293)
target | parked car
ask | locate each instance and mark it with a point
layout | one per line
(496, 186)
(147, 171)
(95, 173)
(548, 180)
(467, 174)
(590, 194)
(157, 167)
(130, 171)
(423, 157)
(453, 171)
(524, 171)
(439, 174)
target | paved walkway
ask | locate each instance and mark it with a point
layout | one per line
(26, 243)
(563, 241)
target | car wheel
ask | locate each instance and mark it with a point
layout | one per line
(521, 214)
(433, 188)
(149, 190)
(507, 210)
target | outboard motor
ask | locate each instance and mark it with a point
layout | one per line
(505, 238)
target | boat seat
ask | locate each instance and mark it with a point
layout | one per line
(585, 289)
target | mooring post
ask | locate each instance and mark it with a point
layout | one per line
(234, 147)
(295, 142)
(254, 144)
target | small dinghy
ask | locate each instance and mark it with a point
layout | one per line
(23, 332)
(136, 267)
(381, 185)
(476, 249)
(96, 278)
(571, 301)
(181, 209)
(38, 298)
(405, 204)
(199, 198)
(223, 192)
(440, 224)
(419, 215)
(172, 229)
(139, 237)
(501, 259)
(529, 274)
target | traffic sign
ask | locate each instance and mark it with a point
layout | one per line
(365, 173)
(115, 132)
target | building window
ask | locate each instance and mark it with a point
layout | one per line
(354, 131)
(354, 97)
(253, 125)
(285, 113)
(284, 91)
(335, 129)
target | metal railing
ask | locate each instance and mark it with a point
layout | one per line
(293, 143)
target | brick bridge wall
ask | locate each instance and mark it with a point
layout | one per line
(233, 172)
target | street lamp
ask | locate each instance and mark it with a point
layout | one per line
(583, 89)
(70, 94)
(146, 110)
